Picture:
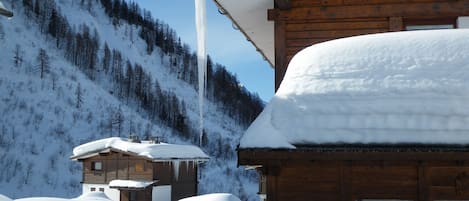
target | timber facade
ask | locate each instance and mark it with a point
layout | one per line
(301, 23)
(328, 174)
(116, 165)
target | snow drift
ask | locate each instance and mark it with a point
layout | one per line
(406, 87)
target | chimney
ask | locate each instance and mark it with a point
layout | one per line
(134, 138)
(156, 139)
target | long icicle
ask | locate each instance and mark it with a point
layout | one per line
(200, 23)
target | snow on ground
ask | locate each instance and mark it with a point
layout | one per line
(213, 197)
(4, 198)
(94, 196)
(160, 151)
(405, 87)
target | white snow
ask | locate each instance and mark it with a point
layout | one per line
(129, 184)
(201, 26)
(213, 197)
(2, 197)
(405, 87)
(40, 126)
(155, 152)
(94, 196)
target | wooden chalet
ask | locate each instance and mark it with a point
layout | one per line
(139, 171)
(348, 171)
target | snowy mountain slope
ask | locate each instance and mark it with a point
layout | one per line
(41, 123)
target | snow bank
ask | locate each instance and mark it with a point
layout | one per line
(405, 87)
(129, 184)
(2, 197)
(94, 196)
(155, 152)
(213, 197)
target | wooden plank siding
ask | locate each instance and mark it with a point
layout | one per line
(116, 166)
(302, 23)
(356, 180)
(185, 185)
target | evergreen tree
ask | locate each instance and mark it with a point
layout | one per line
(18, 56)
(79, 96)
(43, 60)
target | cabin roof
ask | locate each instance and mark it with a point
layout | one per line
(392, 88)
(251, 19)
(153, 152)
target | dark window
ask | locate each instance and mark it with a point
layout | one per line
(96, 165)
(101, 189)
(132, 196)
(430, 23)
(93, 189)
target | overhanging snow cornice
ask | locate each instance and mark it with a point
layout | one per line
(251, 19)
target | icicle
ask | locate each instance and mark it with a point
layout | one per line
(200, 25)
(175, 164)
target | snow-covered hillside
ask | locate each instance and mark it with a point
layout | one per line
(44, 118)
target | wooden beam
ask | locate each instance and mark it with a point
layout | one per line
(271, 188)
(280, 52)
(440, 9)
(282, 4)
(266, 156)
(423, 182)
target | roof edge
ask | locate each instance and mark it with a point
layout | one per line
(227, 14)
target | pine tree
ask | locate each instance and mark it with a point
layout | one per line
(43, 60)
(79, 96)
(18, 57)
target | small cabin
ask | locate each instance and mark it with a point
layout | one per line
(131, 170)
(317, 159)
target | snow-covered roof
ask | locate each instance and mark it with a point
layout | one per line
(154, 152)
(213, 197)
(391, 88)
(130, 184)
(251, 19)
(93, 196)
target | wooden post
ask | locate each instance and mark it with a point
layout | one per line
(345, 183)
(272, 173)
(396, 24)
(422, 182)
(280, 51)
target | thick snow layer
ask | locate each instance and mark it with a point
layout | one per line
(94, 196)
(129, 184)
(155, 152)
(405, 87)
(2, 197)
(213, 197)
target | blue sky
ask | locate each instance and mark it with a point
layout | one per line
(225, 45)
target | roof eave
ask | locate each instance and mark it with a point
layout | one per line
(227, 12)
(268, 156)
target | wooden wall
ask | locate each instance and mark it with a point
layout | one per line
(117, 166)
(355, 180)
(186, 184)
(305, 22)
